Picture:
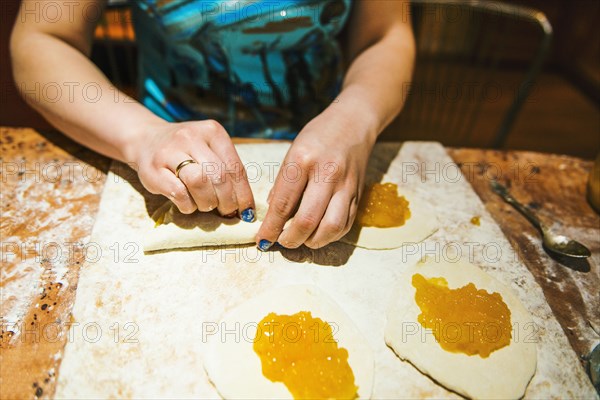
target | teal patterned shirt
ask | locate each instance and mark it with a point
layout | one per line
(261, 68)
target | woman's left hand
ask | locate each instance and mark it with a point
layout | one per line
(319, 184)
(321, 179)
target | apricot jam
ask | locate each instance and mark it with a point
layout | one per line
(464, 320)
(300, 351)
(381, 207)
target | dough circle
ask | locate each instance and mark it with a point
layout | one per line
(235, 369)
(505, 374)
(421, 224)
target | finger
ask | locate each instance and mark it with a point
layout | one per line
(208, 183)
(286, 194)
(236, 173)
(351, 214)
(166, 183)
(199, 188)
(335, 223)
(213, 171)
(313, 205)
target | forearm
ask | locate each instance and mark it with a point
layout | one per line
(374, 88)
(71, 93)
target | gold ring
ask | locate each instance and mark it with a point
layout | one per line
(183, 164)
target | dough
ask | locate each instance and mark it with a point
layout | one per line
(504, 374)
(421, 224)
(179, 230)
(210, 229)
(235, 369)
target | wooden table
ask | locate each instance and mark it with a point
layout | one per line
(51, 189)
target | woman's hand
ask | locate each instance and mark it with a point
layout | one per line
(319, 184)
(217, 179)
(331, 152)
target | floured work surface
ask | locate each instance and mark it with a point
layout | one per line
(555, 187)
(140, 320)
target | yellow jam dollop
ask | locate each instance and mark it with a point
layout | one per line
(464, 320)
(301, 352)
(382, 207)
(476, 221)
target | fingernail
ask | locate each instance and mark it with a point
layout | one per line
(264, 245)
(230, 215)
(248, 215)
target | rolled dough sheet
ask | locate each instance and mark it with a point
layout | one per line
(503, 375)
(235, 369)
(210, 229)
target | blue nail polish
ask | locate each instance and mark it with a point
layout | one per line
(248, 215)
(264, 245)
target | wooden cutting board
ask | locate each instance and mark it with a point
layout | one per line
(138, 318)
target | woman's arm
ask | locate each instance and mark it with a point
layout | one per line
(50, 50)
(53, 72)
(333, 149)
(382, 47)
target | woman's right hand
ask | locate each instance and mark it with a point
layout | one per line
(217, 179)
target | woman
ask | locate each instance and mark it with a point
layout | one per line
(211, 69)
